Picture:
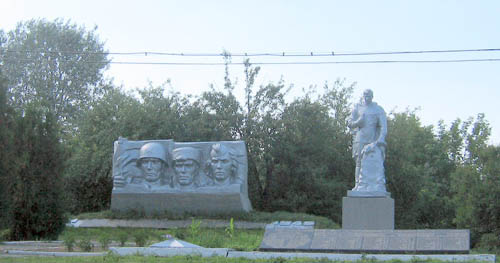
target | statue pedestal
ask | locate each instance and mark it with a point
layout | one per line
(368, 213)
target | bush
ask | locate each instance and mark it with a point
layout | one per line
(140, 238)
(85, 244)
(489, 243)
(122, 237)
(69, 241)
(104, 239)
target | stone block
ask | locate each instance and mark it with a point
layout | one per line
(366, 241)
(367, 213)
(286, 239)
(161, 176)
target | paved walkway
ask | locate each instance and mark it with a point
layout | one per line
(164, 223)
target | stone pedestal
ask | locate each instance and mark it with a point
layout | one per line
(368, 213)
(203, 201)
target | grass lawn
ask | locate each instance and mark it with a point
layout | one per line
(239, 239)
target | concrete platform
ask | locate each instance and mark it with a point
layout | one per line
(367, 241)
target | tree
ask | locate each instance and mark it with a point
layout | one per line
(7, 157)
(56, 65)
(36, 209)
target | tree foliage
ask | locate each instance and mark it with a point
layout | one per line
(53, 64)
(35, 189)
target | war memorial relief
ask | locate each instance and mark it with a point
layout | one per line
(166, 176)
(158, 176)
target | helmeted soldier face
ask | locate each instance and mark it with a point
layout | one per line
(152, 161)
(152, 169)
(186, 165)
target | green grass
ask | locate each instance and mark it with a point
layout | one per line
(254, 216)
(242, 239)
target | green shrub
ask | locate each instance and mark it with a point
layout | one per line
(194, 228)
(69, 241)
(140, 238)
(104, 239)
(85, 244)
(122, 237)
(230, 229)
(4, 234)
(489, 243)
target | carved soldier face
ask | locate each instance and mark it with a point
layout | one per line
(221, 166)
(186, 170)
(152, 168)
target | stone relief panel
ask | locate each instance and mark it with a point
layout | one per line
(168, 166)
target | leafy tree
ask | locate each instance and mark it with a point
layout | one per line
(417, 172)
(54, 64)
(476, 182)
(36, 210)
(6, 150)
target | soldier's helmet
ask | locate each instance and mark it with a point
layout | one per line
(153, 150)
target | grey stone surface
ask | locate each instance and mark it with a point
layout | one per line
(290, 224)
(287, 239)
(368, 124)
(357, 257)
(174, 243)
(369, 241)
(367, 213)
(351, 193)
(169, 252)
(163, 224)
(164, 176)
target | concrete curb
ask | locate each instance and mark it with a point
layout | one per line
(169, 252)
(355, 257)
(224, 252)
(55, 254)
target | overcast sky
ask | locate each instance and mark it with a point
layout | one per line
(440, 90)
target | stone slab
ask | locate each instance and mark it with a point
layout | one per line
(368, 213)
(225, 200)
(287, 239)
(358, 257)
(163, 224)
(290, 224)
(367, 241)
(368, 194)
(169, 252)
(158, 176)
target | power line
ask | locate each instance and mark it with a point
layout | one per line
(278, 63)
(248, 54)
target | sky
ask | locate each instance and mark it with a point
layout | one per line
(439, 91)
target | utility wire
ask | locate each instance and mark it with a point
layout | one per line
(277, 63)
(272, 54)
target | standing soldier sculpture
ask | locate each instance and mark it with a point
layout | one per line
(369, 126)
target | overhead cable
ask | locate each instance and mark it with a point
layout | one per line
(248, 54)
